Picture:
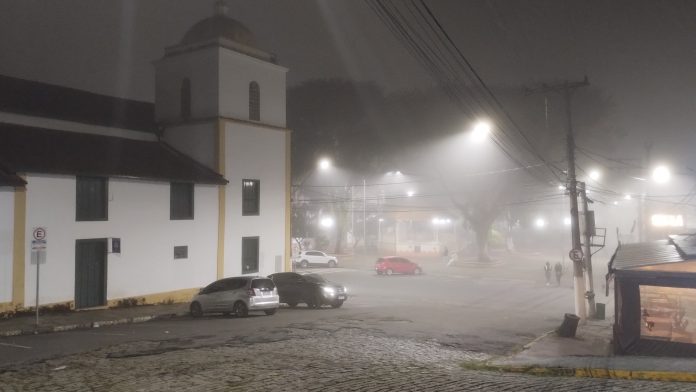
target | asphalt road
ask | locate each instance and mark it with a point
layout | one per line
(394, 333)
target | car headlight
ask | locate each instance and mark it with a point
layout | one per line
(329, 290)
(345, 289)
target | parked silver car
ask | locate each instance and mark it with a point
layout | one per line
(237, 295)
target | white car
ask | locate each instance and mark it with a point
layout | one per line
(307, 258)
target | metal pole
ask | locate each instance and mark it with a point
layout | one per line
(364, 221)
(379, 234)
(38, 263)
(642, 227)
(352, 216)
(590, 295)
(578, 278)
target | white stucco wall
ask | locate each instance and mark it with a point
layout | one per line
(139, 215)
(201, 67)
(6, 240)
(198, 140)
(236, 72)
(255, 153)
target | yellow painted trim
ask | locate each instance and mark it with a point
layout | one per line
(623, 374)
(176, 296)
(18, 247)
(288, 204)
(7, 307)
(222, 202)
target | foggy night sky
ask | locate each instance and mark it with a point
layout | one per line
(640, 53)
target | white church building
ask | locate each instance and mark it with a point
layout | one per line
(127, 201)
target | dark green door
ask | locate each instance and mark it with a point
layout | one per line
(90, 273)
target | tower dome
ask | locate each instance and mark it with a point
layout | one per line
(219, 26)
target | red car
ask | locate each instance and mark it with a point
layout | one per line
(396, 265)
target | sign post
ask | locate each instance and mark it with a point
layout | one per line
(38, 257)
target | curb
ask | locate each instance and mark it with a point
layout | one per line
(619, 374)
(90, 325)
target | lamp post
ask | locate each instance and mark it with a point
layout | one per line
(379, 233)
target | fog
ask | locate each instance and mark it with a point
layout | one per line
(360, 195)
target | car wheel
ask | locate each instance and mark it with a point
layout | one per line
(196, 310)
(389, 271)
(269, 312)
(332, 264)
(314, 303)
(240, 309)
(304, 263)
(417, 271)
(337, 304)
(291, 304)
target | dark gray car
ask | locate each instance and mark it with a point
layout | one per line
(237, 295)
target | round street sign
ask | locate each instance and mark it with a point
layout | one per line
(39, 233)
(575, 255)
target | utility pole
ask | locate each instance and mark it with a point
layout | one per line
(567, 89)
(587, 233)
(642, 225)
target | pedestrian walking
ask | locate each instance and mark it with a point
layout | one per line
(547, 272)
(558, 269)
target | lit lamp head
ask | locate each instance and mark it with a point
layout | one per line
(324, 164)
(661, 174)
(326, 222)
(481, 131)
(595, 175)
(540, 223)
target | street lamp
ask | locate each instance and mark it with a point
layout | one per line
(326, 222)
(324, 164)
(540, 223)
(379, 232)
(661, 174)
(595, 175)
(480, 131)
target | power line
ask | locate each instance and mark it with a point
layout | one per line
(483, 84)
(445, 73)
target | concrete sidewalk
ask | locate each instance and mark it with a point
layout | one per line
(589, 355)
(66, 321)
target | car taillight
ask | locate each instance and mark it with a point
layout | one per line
(251, 293)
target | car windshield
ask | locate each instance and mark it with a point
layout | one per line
(314, 278)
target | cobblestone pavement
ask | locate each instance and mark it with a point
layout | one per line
(292, 359)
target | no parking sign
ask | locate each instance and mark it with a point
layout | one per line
(576, 255)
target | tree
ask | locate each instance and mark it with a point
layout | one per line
(367, 132)
(336, 118)
(303, 223)
(420, 117)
